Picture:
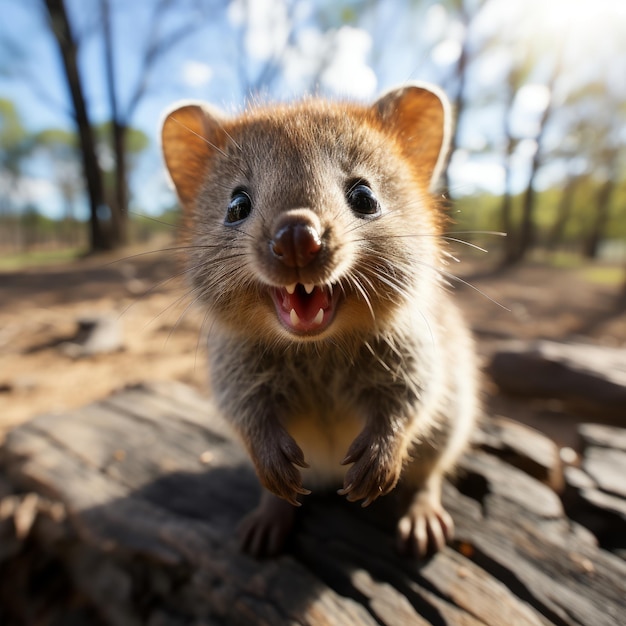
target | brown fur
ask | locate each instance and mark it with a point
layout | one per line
(388, 387)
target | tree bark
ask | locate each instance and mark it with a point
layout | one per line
(459, 98)
(591, 245)
(124, 512)
(68, 48)
(527, 233)
(119, 204)
(564, 212)
(506, 210)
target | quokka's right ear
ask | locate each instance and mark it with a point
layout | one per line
(419, 116)
(190, 135)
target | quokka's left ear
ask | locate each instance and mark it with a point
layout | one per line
(191, 134)
(420, 117)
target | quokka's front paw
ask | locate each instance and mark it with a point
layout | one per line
(376, 469)
(276, 467)
(264, 531)
(426, 526)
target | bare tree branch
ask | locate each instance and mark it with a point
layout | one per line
(156, 48)
(68, 49)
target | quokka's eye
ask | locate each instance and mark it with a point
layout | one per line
(362, 200)
(239, 207)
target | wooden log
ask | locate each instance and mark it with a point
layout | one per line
(591, 380)
(523, 447)
(602, 436)
(595, 493)
(123, 512)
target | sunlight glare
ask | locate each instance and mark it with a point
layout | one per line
(533, 98)
(586, 21)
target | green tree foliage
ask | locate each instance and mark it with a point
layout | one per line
(135, 142)
(56, 150)
(15, 145)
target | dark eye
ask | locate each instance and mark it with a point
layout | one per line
(362, 200)
(239, 207)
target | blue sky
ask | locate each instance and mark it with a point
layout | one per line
(386, 46)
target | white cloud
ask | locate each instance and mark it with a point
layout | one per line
(31, 191)
(196, 73)
(526, 149)
(436, 22)
(236, 12)
(446, 52)
(533, 98)
(266, 25)
(34, 190)
(470, 174)
(337, 59)
(300, 63)
(348, 72)
(530, 102)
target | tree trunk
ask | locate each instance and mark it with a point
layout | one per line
(564, 212)
(591, 244)
(527, 234)
(506, 209)
(93, 176)
(119, 214)
(119, 204)
(458, 104)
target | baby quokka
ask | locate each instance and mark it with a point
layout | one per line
(336, 352)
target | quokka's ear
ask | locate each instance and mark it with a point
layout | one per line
(419, 116)
(190, 135)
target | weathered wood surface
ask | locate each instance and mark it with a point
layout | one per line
(596, 492)
(589, 379)
(124, 513)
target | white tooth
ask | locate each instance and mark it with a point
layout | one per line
(319, 318)
(290, 288)
(330, 290)
(293, 317)
(308, 287)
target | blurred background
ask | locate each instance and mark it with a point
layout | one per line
(539, 152)
(539, 88)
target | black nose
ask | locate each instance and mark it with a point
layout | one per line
(296, 244)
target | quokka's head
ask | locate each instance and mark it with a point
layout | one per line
(311, 220)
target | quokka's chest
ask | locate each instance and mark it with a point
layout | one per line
(324, 434)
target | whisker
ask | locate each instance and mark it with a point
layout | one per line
(356, 283)
(201, 333)
(464, 282)
(430, 330)
(201, 265)
(182, 315)
(445, 236)
(496, 233)
(159, 250)
(212, 145)
(199, 136)
(377, 356)
(232, 139)
(151, 218)
(390, 280)
(449, 255)
(467, 243)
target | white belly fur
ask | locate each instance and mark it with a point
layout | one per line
(325, 443)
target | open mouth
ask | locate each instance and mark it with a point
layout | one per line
(305, 309)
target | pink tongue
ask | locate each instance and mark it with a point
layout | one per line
(307, 306)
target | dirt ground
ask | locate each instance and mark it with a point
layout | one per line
(40, 308)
